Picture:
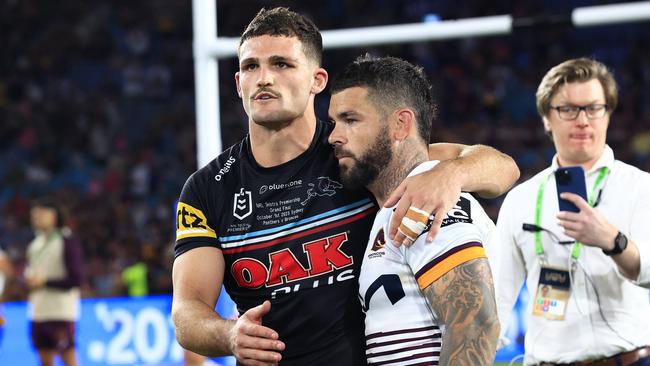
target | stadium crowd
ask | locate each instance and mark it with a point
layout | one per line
(97, 108)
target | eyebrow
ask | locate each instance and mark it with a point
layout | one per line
(277, 58)
(344, 114)
(593, 101)
(272, 59)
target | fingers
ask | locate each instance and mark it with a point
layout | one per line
(396, 220)
(259, 331)
(396, 195)
(256, 362)
(412, 225)
(568, 216)
(255, 349)
(259, 311)
(256, 356)
(435, 226)
(571, 225)
(575, 199)
(253, 343)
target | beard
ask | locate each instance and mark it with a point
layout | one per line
(368, 166)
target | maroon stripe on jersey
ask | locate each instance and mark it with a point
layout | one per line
(397, 341)
(400, 361)
(298, 235)
(403, 331)
(404, 349)
(452, 251)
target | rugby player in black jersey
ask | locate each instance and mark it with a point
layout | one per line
(270, 220)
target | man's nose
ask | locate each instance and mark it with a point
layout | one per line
(582, 119)
(336, 137)
(265, 77)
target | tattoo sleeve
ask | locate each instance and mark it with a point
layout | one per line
(463, 301)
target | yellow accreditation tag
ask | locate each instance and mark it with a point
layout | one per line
(552, 295)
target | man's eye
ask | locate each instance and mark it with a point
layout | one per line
(249, 67)
(568, 109)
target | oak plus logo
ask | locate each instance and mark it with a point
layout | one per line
(242, 205)
(326, 265)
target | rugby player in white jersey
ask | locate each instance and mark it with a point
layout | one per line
(429, 303)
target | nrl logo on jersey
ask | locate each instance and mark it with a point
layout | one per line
(242, 205)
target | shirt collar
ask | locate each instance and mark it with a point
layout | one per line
(605, 160)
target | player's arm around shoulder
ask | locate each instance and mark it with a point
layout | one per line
(463, 301)
(481, 169)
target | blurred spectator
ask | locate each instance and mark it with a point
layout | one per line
(54, 276)
(6, 270)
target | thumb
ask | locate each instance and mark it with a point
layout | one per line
(259, 311)
(396, 195)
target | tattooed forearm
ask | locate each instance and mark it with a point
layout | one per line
(463, 300)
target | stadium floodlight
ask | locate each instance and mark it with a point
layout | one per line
(208, 48)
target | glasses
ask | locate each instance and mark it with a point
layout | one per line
(571, 112)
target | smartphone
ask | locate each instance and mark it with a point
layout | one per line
(570, 179)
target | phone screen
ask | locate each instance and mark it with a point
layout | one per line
(570, 179)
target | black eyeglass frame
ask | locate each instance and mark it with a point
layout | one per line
(580, 108)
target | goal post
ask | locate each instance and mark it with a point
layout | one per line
(208, 48)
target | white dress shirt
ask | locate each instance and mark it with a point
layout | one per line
(606, 313)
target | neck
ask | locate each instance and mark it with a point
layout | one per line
(279, 143)
(586, 165)
(48, 232)
(409, 155)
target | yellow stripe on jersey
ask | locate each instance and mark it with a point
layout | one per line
(449, 263)
(191, 223)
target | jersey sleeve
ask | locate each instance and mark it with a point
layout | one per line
(461, 237)
(193, 222)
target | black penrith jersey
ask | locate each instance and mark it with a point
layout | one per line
(291, 234)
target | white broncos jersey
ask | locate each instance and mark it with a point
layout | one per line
(401, 328)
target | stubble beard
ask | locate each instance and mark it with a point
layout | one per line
(367, 167)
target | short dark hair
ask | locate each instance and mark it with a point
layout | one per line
(281, 21)
(51, 203)
(392, 83)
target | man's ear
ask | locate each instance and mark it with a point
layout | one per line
(237, 83)
(405, 123)
(320, 80)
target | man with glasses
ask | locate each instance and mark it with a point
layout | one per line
(585, 271)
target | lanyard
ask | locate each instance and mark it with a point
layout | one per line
(575, 251)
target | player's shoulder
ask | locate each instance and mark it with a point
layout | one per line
(220, 168)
